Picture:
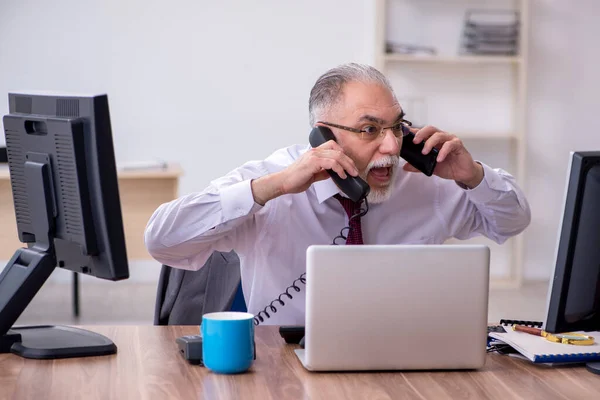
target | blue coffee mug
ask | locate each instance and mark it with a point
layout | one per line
(228, 341)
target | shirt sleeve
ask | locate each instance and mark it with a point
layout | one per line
(184, 232)
(496, 208)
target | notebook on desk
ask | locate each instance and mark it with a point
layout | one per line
(539, 350)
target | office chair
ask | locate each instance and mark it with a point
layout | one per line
(183, 296)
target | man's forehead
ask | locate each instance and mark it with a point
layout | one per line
(380, 115)
(396, 114)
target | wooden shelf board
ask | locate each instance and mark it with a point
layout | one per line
(451, 59)
(486, 135)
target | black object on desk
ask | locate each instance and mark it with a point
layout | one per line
(292, 334)
(190, 347)
(3, 155)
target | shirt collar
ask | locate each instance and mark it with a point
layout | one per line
(325, 189)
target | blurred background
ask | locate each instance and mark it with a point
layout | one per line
(196, 88)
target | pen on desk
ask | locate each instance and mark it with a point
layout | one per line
(528, 329)
(540, 332)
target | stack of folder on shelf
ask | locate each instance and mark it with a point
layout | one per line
(491, 32)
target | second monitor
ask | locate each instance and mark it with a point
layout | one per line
(574, 293)
(66, 199)
(574, 296)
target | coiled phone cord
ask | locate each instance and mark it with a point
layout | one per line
(264, 313)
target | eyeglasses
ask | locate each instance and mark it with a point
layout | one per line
(372, 131)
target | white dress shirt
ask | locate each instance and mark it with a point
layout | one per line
(271, 240)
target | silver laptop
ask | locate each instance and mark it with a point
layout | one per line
(399, 307)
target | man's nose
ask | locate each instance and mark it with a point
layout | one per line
(390, 143)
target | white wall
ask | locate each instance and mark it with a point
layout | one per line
(562, 114)
(209, 84)
(213, 84)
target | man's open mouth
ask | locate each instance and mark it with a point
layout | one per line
(381, 173)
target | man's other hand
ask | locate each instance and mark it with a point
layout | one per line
(453, 161)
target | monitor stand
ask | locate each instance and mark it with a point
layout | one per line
(26, 273)
(19, 282)
(53, 341)
(593, 367)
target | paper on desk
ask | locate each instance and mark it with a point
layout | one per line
(538, 349)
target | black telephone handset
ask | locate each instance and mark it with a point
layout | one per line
(353, 186)
(412, 153)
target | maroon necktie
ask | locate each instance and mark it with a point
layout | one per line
(355, 234)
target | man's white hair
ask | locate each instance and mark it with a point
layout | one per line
(328, 89)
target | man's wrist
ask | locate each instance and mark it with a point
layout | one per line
(266, 188)
(476, 179)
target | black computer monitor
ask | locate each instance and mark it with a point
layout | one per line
(574, 294)
(66, 200)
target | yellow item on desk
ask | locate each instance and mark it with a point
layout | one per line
(577, 339)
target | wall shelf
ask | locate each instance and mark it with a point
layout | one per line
(486, 135)
(435, 59)
(491, 96)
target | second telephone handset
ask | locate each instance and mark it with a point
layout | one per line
(412, 153)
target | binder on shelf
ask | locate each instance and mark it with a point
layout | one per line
(410, 49)
(491, 32)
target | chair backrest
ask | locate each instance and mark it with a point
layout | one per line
(183, 296)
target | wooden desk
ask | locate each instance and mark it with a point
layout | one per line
(141, 192)
(148, 366)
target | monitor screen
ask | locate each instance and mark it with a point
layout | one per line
(574, 295)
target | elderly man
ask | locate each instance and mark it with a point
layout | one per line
(270, 211)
